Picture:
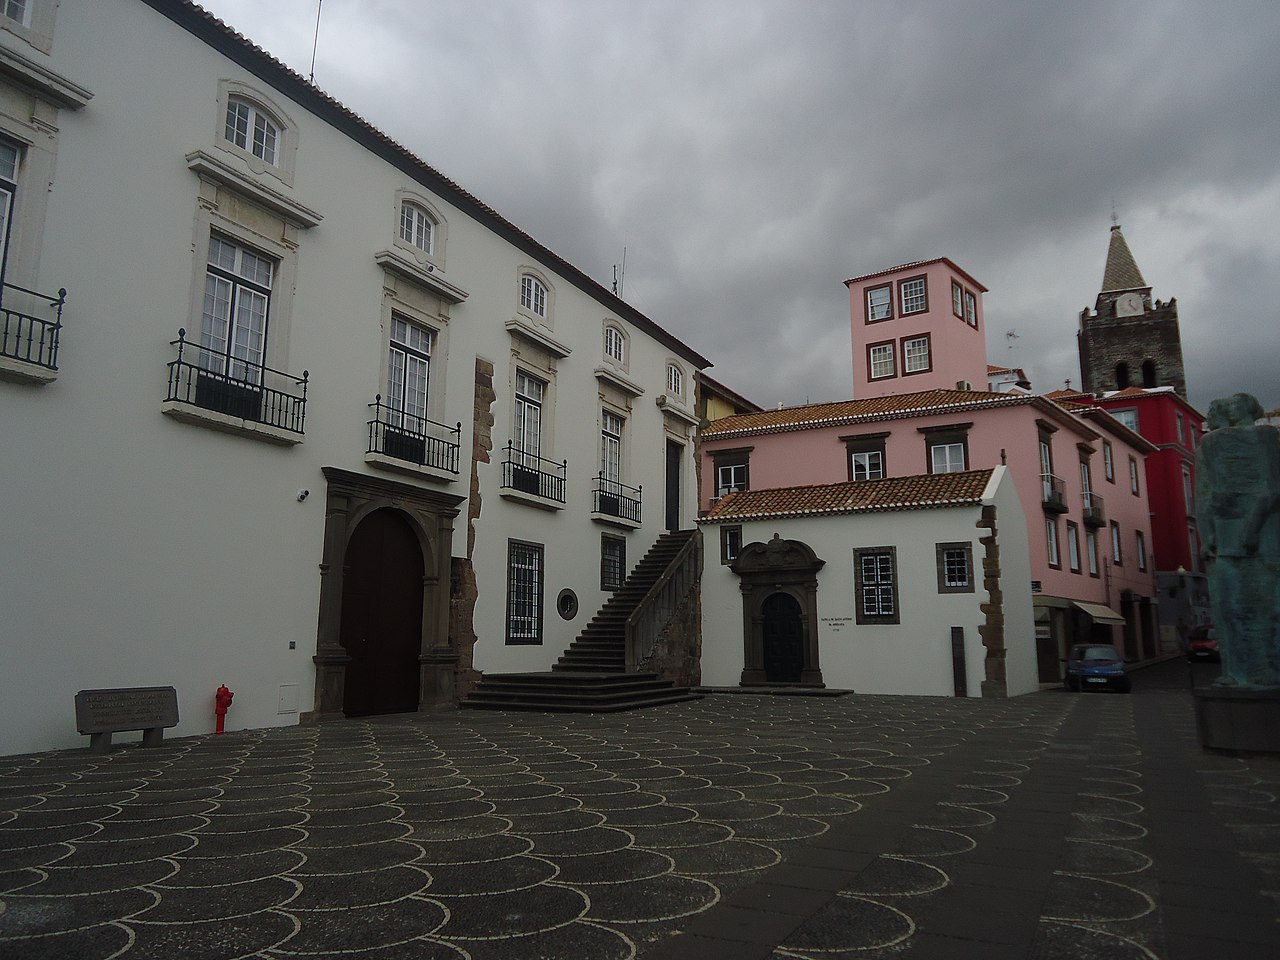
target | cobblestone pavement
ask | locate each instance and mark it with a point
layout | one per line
(1047, 826)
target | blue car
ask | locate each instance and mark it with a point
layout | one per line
(1095, 666)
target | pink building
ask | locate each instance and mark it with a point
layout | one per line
(917, 327)
(918, 332)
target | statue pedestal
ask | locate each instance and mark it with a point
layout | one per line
(1238, 719)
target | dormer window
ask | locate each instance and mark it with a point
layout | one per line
(252, 130)
(615, 344)
(417, 227)
(533, 295)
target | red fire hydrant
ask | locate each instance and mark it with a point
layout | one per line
(221, 700)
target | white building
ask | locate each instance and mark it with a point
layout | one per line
(907, 585)
(320, 425)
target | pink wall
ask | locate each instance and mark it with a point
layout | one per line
(957, 349)
(815, 456)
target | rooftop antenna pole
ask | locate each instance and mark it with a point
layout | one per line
(622, 280)
(316, 42)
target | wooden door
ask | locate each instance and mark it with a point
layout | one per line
(783, 639)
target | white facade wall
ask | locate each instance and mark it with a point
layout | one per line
(914, 656)
(141, 550)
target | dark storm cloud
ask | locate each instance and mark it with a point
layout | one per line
(750, 156)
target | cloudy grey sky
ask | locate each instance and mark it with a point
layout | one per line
(752, 155)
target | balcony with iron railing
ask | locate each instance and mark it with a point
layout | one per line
(1053, 493)
(532, 479)
(414, 444)
(30, 331)
(614, 502)
(1095, 514)
(235, 395)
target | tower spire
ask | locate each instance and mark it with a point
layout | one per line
(1121, 272)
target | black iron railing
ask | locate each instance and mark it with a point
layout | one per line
(1095, 514)
(250, 391)
(1054, 493)
(615, 499)
(530, 473)
(30, 325)
(413, 439)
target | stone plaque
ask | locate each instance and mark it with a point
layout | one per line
(126, 708)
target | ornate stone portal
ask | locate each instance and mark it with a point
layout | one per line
(1238, 515)
(780, 598)
(430, 514)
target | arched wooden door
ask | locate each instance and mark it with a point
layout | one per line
(382, 616)
(783, 639)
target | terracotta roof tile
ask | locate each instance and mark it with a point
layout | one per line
(861, 496)
(918, 263)
(851, 411)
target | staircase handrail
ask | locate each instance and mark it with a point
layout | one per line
(655, 609)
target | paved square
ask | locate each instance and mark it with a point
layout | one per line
(1046, 826)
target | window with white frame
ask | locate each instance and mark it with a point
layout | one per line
(615, 344)
(1140, 541)
(1128, 417)
(613, 561)
(1091, 551)
(527, 441)
(879, 303)
(876, 585)
(10, 157)
(1188, 489)
(1073, 546)
(417, 227)
(730, 478)
(970, 309)
(946, 457)
(524, 592)
(408, 374)
(955, 567)
(533, 295)
(1133, 476)
(912, 297)
(1108, 462)
(957, 299)
(881, 361)
(915, 355)
(252, 129)
(237, 301)
(675, 380)
(17, 10)
(730, 543)
(1182, 428)
(867, 465)
(1117, 554)
(1051, 541)
(611, 447)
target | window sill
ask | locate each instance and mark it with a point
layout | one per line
(530, 499)
(383, 462)
(19, 371)
(610, 520)
(224, 423)
(519, 327)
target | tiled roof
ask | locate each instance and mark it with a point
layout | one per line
(1121, 272)
(918, 263)
(1058, 396)
(205, 26)
(860, 496)
(813, 415)
(732, 395)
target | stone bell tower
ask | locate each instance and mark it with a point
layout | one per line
(1129, 340)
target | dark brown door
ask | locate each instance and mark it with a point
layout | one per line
(783, 639)
(382, 616)
(675, 454)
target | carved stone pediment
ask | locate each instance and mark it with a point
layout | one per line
(777, 555)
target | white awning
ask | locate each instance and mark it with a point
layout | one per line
(1099, 613)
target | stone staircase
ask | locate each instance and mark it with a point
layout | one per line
(591, 676)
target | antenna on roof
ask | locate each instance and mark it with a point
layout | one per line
(315, 42)
(1010, 336)
(620, 276)
(1067, 383)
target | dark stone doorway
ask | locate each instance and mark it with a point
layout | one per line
(382, 616)
(783, 639)
(675, 454)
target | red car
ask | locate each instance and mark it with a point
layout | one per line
(1202, 643)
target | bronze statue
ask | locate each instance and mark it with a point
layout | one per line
(1238, 514)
